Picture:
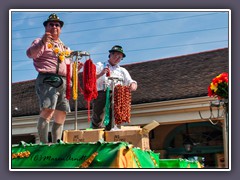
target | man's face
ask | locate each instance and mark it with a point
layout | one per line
(54, 28)
(115, 58)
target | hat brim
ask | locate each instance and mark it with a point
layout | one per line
(117, 51)
(61, 22)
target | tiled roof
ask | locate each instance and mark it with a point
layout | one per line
(172, 78)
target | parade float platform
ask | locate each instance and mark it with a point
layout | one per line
(98, 155)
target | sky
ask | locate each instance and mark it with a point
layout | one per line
(144, 34)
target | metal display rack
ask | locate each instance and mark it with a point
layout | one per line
(114, 81)
(78, 56)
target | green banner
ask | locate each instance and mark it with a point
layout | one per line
(90, 155)
(178, 163)
(82, 155)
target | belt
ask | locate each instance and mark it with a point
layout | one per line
(50, 74)
(102, 91)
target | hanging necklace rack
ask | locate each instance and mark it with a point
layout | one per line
(114, 81)
(78, 56)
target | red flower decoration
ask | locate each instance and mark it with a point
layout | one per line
(219, 86)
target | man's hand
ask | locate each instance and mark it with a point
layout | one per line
(104, 71)
(47, 37)
(133, 86)
(80, 65)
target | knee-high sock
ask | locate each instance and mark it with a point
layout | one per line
(43, 127)
(56, 132)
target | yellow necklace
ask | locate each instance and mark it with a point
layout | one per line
(61, 54)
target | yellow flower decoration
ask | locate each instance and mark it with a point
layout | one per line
(67, 53)
(61, 58)
(56, 50)
(50, 46)
(60, 54)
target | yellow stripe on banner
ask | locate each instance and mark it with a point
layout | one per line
(75, 81)
(87, 162)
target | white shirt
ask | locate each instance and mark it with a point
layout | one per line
(115, 71)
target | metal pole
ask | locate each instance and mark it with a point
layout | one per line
(76, 71)
(75, 115)
(78, 55)
(112, 104)
(225, 134)
(114, 80)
